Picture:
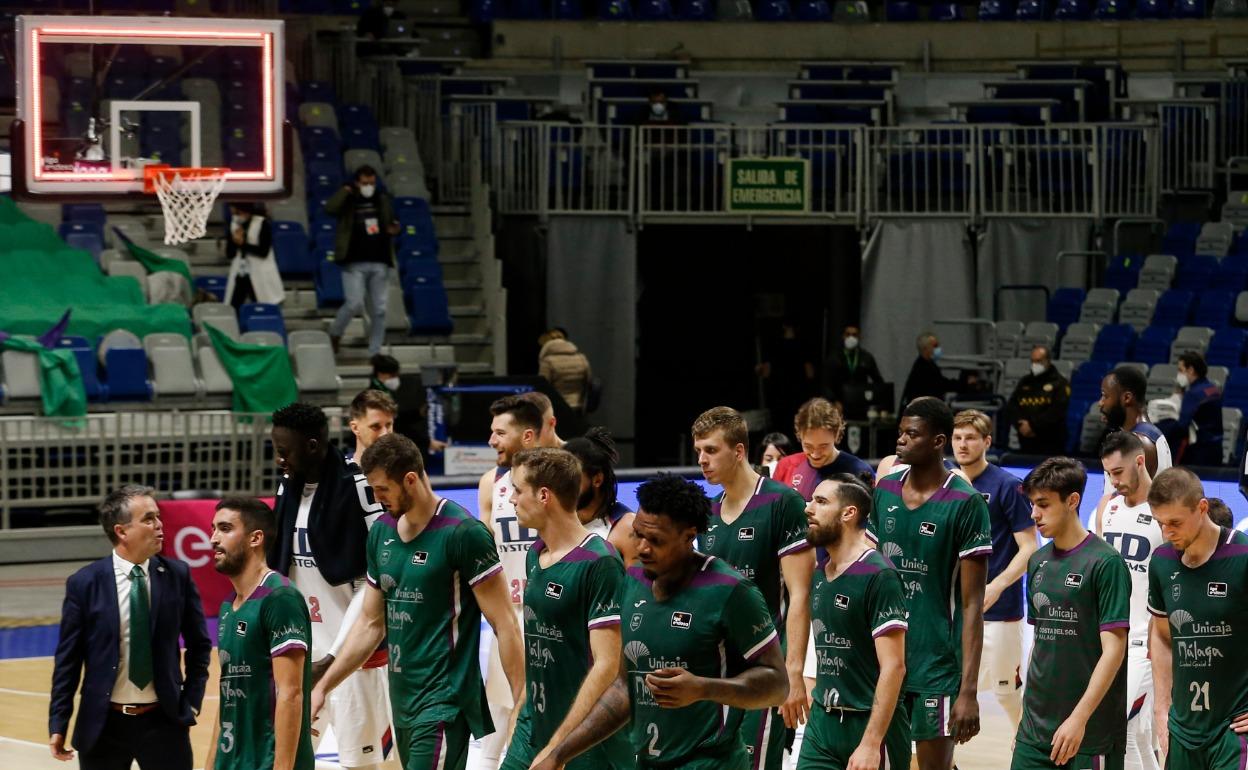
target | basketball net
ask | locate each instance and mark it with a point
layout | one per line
(187, 196)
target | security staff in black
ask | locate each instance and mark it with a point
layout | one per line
(1037, 409)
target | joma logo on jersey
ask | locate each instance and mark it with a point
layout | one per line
(1217, 589)
(420, 557)
(745, 533)
(682, 619)
(554, 590)
(927, 528)
(240, 628)
(1074, 580)
(842, 602)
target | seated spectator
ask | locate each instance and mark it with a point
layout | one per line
(925, 377)
(852, 374)
(775, 447)
(1038, 406)
(565, 367)
(661, 113)
(253, 268)
(1200, 414)
(819, 426)
(1220, 513)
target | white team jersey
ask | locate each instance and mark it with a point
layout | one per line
(1164, 460)
(1136, 535)
(512, 540)
(599, 526)
(327, 603)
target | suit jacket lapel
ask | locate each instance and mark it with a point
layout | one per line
(157, 586)
(108, 594)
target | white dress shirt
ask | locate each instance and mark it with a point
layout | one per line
(124, 690)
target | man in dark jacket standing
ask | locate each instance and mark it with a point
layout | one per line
(852, 376)
(119, 636)
(925, 377)
(1200, 414)
(364, 247)
(1038, 406)
(324, 509)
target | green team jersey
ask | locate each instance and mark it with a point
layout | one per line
(772, 526)
(847, 613)
(1072, 596)
(715, 626)
(1208, 611)
(563, 603)
(433, 623)
(927, 545)
(272, 621)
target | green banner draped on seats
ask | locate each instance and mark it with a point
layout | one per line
(60, 381)
(262, 377)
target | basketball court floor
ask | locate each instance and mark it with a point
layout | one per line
(30, 602)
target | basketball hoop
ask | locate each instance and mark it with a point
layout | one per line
(186, 195)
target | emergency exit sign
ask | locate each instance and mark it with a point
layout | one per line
(768, 185)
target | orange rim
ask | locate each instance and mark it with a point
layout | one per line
(153, 170)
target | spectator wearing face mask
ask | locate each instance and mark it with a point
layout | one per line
(1200, 414)
(661, 112)
(253, 269)
(925, 377)
(1038, 406)
(412, 399)
(852, 374)
(364, 247)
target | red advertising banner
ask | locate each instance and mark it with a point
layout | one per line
(188, 526)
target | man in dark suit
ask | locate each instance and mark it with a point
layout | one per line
(121, 620)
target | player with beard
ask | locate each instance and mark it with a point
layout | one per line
(263, 636)
(598, 508)
(1126, 522)
(1123, 407)
(433, 572)
(858, 614)
(516, 425)
(699, 647)
(935, 527)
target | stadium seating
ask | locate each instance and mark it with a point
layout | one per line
(1161, 381)
(1006, 336)
(1158, 272)
(1137, 309)
(257, 316)
(313, 359)
(213, 376)
(126, 372)
(1100, 306)
(88, 365)
(1065, 306)
(1114, 343)
(1194, 339)
(1226, 348)
(1153, 345)
(1173, 307)
(1039, 333)
(1078, 341)
(172, 366)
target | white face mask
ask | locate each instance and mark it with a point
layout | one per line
(388, 10)
(391, 384)
(367, 190)
(1182, 380)
(851, 343)
(937, 352)
(1038, 369)
(658, 109)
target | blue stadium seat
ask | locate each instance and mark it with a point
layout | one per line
(1112, 10)
(614, 10)
(484, 11)
(654, 10)
(320, 138)
(1085, 383)
(84, 213)
(1227, 348)
(946, 11)
(1153, 346)
(1152, 9)
(89, 242)
(1215, 308)
(526, 9)
(1173, 308)
(428, 309)
(126, 369)
(290, 248)
(1180, 239)
(1075, 412)
(813, 10)
(995, 10)
(1032, 10)
(570, 10)
(88, 364)
(773, 10)
(213, 284)
(1064, 306)
(1114, 343)
(1194, 272)
(1071, 10)
(1235, 393)
(686, 10)
(1189, 9)
(261, 317)
(317, 91)
(325, 241)
(901, 10)
(361, 137)
(1231, 274)
(349, 7)
(1123, 273)
(329, 291)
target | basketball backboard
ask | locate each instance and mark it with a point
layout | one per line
(100, 97)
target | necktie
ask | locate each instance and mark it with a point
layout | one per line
(140, 662)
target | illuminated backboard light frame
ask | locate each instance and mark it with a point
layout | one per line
(32, 181)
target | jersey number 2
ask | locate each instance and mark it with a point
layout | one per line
(517, 590)
(652, 730)
(314, 609)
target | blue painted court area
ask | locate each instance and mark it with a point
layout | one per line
(27, 642)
